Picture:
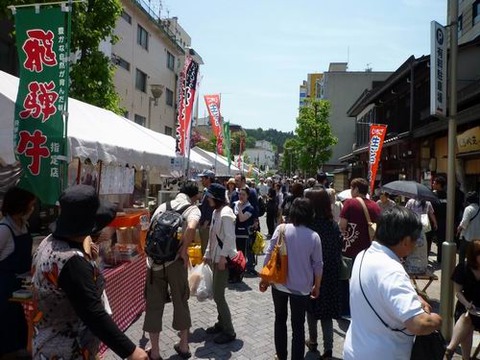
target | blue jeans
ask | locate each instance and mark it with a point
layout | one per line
(298, 306)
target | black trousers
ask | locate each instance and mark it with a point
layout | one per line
(298, 307)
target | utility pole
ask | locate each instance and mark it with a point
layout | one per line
(449, 247)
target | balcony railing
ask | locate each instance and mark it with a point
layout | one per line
(154, 14)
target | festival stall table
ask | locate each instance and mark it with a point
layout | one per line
(125, 292)
(125, 282)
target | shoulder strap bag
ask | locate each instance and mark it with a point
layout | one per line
(372, 227)
(276, 270)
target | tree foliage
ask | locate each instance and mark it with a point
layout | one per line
(277, 138)
(92, 73)
(312, 145)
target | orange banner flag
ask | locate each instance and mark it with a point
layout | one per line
(377, 136)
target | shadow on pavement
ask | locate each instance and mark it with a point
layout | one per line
(225, 351)
(240, 286)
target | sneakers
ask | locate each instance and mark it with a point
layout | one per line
(224, 338)
(215, 329)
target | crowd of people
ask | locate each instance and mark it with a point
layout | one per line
(320, 230)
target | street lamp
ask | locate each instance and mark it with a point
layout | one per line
(157, 91)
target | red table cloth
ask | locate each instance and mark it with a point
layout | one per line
(125, 291)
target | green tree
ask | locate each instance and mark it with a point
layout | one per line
(312, 145)
(92, 73)
(209, 145)
(290, 157)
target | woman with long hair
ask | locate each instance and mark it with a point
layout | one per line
(417, 261)
(221, 245)
(327, 306)
(304, 251)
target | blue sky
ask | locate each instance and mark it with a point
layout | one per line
(258, 52)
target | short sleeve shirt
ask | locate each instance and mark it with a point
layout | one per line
(462, 275)
(357, 237)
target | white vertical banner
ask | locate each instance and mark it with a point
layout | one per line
(438, 70)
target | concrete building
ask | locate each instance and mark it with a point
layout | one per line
(262, 155)
(342, 88)
(468, 20)
(149, 56)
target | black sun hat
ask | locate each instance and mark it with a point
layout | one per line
(82, 213)
(216, 191)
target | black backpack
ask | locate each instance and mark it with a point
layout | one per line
(162, 242)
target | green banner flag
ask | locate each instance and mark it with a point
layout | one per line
(39, 124)
(227, 141)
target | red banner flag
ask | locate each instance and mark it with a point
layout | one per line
(377, 135)
(213, 106)
(188, 85)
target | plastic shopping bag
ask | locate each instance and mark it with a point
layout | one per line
(200, 281)
(205, 287)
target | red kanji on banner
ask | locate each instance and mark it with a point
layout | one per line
(38, 48)
(40, 101)
(31, 146)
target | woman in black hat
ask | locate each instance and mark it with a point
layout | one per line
(15, 259)
(68, 285)
(221, 245)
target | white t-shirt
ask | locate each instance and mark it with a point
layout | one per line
(471, 228)
(390, 292)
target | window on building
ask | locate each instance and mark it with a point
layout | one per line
(169, 97)
(126, 17)
(460, 25)
(168, 131)
(141, 81)
(121, 62)
(476, 12)
(170, 61)
(142, 37)
(141, 120)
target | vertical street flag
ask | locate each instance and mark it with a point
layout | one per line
(39, 127)
(438, 70)
(240, 154)
(213, 106)
(188, 85)
(377, 135)
(227, 143)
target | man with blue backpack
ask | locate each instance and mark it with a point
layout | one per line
(172, 230)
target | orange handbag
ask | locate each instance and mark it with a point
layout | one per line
(276, 270)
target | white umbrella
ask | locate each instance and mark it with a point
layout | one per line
(346, 194)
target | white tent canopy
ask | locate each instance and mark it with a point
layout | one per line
(97, 134)
(221, 162)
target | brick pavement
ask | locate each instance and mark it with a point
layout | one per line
(252, 313)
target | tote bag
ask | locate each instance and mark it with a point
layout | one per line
(275, 271)
(426, 226)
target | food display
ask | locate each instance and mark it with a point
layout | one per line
(125, 237)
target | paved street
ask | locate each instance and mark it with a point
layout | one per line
(252, 313)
